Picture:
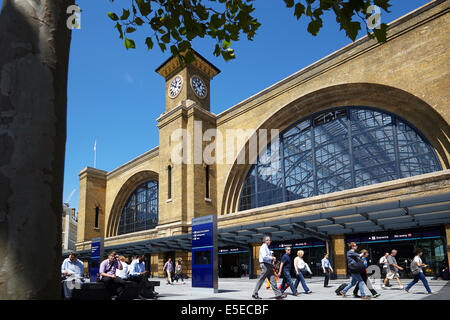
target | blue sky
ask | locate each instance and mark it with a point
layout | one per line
(114, 95)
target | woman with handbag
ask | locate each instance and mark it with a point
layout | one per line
(355, 266)
(416, 269)
(301, 266)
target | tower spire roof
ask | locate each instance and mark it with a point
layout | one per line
(172, 65)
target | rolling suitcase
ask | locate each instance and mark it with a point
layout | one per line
(341, 287)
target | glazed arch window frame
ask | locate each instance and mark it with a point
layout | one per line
(140, 211)
(339, 149)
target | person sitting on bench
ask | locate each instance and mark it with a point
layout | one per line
(71, 271)
(113, 283)
(139, 274)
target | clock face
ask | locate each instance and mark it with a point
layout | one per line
(175, 86)
(199, 86)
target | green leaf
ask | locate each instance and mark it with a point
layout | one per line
(174, 50)
(384, 4)
(184, 45)
(353, 29)
(289, 3)
(119, 28)
(144, 7)
(125, 14)
(226, 44)
(130, 30)
(113, 16)
(139, 21)
(166, 38)
(149, 43)
(381, 33)
(129, 44)
(189, 57)
(314, 27)
(299, 10)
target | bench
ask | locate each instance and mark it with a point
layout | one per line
(97, 291)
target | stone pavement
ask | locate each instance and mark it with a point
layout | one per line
(241, 289)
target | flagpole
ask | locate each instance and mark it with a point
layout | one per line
(95, 153)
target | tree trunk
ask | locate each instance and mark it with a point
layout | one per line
(34, 55)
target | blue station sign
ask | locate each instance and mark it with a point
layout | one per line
(96, 256)
(204, 253)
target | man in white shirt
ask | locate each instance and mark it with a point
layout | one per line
(327, 269)
(123, 274)
(139, 274)
(384, 269)
(71, 273)
(265, 263)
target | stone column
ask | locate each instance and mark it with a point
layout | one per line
(255, 258)
(92, 195)
(154, 265)
(447, 233)
(159, 270)
(340, 261)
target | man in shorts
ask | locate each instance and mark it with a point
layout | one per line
(393, 269)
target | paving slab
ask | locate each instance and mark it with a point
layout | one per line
(241, 289)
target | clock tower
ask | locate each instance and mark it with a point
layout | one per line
(191, 82)
(187, 188)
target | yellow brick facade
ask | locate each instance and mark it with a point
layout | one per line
(407, 76)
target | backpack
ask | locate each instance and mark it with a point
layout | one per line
(357, 267)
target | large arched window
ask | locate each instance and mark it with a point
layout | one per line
(337, 150)
(141, 210)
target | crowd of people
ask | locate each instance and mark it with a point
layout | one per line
(357, 265)
(272, 270)
(114, 271)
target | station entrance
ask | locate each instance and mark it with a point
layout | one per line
(313, 249)
(431, 241)
(233, 262)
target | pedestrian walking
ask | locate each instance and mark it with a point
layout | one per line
(384, 267)
(416, 269)
(355, 266)
(168, 268)
(179, 271)
(285, 269)
(265, 262)
(365, 277)
(327, 269)
(393, 269)
(300, 267)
